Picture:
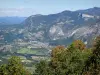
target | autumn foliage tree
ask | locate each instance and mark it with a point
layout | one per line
(55, 55)
(79, 44)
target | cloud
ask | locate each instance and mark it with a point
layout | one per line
(17, 11)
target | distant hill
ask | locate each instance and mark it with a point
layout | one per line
(11, 20)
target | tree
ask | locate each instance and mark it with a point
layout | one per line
(3, 70)
(13, 67)
(79, 44)
(42, 68)
(67, 60)
(92, 66)
(55, 55)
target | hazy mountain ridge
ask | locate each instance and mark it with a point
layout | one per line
(11, 20)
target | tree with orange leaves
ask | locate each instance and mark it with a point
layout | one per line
(55, 54)
(79, 44)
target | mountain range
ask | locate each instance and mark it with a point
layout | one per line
(64, 27)
(59, 29)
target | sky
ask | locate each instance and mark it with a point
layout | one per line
(25, 8)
